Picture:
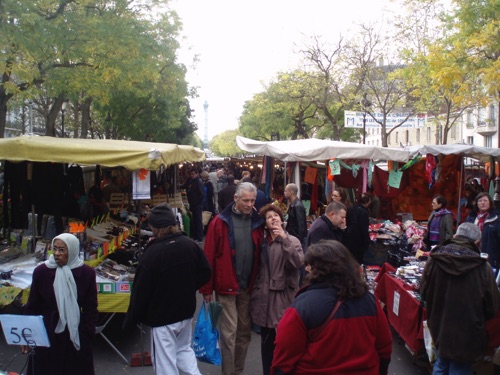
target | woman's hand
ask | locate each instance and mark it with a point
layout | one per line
(277, 230)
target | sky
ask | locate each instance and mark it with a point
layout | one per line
(243, 44)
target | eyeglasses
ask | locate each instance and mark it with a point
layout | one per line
(56, 249)
(336, 195)
(483, 201)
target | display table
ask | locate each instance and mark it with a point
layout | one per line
(404, 311)
(406, 314)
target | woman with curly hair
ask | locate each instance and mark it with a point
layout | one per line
(335, 325)
(277, 280)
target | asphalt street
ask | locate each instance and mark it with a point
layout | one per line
(107, 362)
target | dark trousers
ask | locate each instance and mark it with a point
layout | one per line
(267, 337)
(196, 222)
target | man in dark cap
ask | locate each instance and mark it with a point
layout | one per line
(164, 293)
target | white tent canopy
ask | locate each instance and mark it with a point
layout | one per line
(471, 151)
(313, 149)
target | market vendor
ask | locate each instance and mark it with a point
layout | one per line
(488, 221)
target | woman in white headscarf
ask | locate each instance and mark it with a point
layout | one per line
(64, 292)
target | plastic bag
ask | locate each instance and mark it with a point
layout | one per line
(206, 339)
(429, 344)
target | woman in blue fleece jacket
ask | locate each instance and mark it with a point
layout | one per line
(356, 340)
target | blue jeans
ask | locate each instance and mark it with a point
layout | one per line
(445, 366)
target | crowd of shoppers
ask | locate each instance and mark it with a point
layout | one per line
(303, 288)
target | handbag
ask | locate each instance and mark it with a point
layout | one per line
(206, 338)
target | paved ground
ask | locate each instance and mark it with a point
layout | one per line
(107, 362)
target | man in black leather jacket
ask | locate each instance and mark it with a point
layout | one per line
(296, 222)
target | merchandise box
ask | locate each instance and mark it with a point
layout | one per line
(123, 287)
(106, 288)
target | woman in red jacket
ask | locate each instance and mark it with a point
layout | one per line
(335, 325)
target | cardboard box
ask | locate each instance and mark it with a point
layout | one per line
(123, 287)
(106, 288)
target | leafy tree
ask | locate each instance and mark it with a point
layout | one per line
(103, 57)
(224, 144)
(285, 107)
(444, 83)
(477, 39)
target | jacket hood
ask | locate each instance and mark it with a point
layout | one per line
(457, 256)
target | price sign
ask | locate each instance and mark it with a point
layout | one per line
(24, 330)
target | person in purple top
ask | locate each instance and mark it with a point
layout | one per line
(64, 292)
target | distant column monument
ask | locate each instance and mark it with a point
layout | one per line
(205, 137)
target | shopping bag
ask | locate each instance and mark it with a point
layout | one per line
(206, 216)
(429, 344)
(206, 338)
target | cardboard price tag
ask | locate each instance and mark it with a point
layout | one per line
(24, 330)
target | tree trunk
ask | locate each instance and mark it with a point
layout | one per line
(86, 116)
(56, 107)
(4, 98)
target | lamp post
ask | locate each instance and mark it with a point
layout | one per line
(365, 103)
(63, 109)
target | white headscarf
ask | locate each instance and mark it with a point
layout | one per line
(65, 288)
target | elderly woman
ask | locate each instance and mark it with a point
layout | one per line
(64, 292)
(335, 325)
(488, 221)
(440, 223)
(277, 280)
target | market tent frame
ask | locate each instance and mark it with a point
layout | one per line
(313, 149)
(133, 155)
(483, 154)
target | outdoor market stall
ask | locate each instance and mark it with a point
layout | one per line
(293, 152)
(136, 156)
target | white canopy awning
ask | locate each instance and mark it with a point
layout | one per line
(471, 151)
(313, 149)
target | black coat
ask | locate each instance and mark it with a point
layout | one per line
(460, 292)
(164, 291)
(358, 237)
(296, 224)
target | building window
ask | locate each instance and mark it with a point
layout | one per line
(407, 137)
(397, 137)
(469, 119)
(492, 116)
(481, 118)
(377, 142)
(418, 135)
(453, 132)
(388, 139)
(488, 141)
(428, 136)
(470, 140)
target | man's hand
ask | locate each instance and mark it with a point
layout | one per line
(208, 297)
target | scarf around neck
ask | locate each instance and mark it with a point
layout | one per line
(481, 216)
(435, 224)
(65, 288)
